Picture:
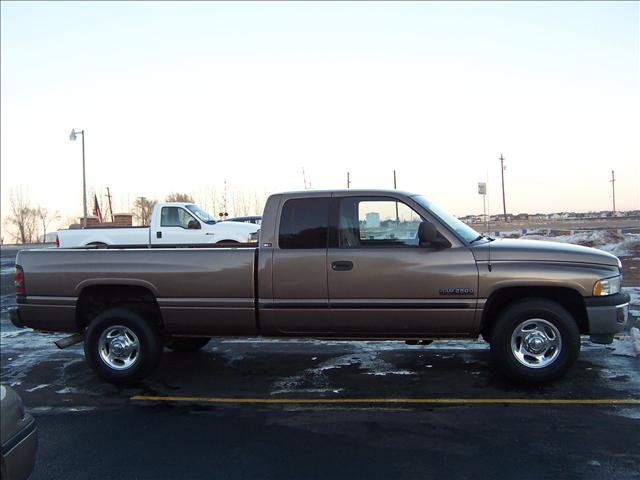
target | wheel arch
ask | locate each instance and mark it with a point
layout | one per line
(569, 298)
(95, 298)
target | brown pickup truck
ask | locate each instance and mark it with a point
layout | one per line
(365, 264)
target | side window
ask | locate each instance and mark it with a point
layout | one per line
(175, 217)
(377, 223)
(304, 223)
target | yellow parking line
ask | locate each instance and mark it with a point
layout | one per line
(425, 401)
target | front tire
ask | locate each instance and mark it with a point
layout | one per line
(535, 341)
(122, 345)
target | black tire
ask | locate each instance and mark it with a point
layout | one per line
(144, 354)
(535, 324)
(186, 344)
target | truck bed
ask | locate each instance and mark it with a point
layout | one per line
(206, 291)
(113, 235)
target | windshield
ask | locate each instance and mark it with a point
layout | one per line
(461, 228)
(201, 214)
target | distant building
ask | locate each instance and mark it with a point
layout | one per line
(373, 220)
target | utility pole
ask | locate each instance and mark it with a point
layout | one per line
(304, 179)
(504, 203)
(395, 186)
(613, 190)
(348, 180)
(109, 199)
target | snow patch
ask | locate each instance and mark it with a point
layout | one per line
(37, 387)
(612, 241)
(365, 358)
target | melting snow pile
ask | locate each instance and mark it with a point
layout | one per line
(610, 241)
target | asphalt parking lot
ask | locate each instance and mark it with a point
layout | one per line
(256, 408)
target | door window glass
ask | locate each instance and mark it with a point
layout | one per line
(175, 217)
(377, 223)
(304, 223)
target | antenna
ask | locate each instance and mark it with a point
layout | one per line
(488, 218)
(504, 204)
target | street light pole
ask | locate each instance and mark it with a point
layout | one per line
(73, 137)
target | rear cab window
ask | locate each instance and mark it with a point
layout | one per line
(304, 223)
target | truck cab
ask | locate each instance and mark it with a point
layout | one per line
(179, 222)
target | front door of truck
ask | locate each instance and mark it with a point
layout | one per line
(300, 302)
(177, 226)
(382, 282)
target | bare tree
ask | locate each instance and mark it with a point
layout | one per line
(46, 216)
(179, 197)
(22, 218)
(142, 209)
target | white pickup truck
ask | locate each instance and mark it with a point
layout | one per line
(172, 223)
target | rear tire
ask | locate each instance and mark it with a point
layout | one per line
(535, 341)
(122, 345)
(187, 344)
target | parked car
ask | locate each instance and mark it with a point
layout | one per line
(351, 264)
(256, 219)
(19, 437)
(172, 223)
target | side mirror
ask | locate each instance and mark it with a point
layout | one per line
(427, 234)
(193, 225)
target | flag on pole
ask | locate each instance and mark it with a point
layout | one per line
(96, 208)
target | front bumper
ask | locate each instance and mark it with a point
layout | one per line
(607, 316)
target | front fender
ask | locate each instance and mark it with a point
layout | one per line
(506, 274)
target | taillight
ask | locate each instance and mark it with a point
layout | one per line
(19, 280)
(57, 240)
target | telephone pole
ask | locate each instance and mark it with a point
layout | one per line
(395, 186)
(109, 199)
(348, 180)
(504, 203)
(613, 190)
(304, 178)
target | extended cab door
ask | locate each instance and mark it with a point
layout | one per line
(176, 226)
(299, 302)
(382, 282)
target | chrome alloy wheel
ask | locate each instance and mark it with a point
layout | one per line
(119, 347)
(536, 343)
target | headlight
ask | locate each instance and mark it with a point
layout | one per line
(254, 237)
(607, 286)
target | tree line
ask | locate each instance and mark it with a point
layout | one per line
(26, 223)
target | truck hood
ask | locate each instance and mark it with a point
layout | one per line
(236, 227)
(542, 251)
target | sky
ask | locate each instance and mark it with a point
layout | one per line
(179, 97)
